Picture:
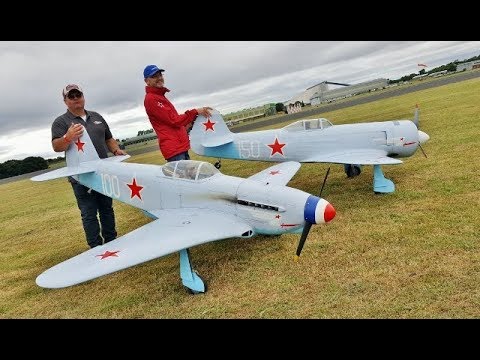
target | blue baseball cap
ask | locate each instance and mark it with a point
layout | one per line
(150, 70)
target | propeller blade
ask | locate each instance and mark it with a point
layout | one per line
(308, 225)
(421, 148)
(324, 181)
(306, 230)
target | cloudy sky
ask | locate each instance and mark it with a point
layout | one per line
(228, 76)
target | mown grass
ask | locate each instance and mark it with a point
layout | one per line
(410, 254)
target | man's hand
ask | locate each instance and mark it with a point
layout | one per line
(205, 111)
(74, 132)
(119, 152)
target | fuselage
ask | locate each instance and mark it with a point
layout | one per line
(269, 209)
(398, 138)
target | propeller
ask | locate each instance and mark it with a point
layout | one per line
(422, 136)
(421, 148)
(308, 224)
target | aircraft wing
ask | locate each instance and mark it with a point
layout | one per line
(360, 157)
(279, 174)
(173, 231)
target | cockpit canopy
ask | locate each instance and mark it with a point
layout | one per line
(189, 169)
(308, 124)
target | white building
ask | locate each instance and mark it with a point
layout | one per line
(307, 94)
(347, 91)
(469, 65)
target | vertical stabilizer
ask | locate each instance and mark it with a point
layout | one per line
(209, 132)
(78, 153)
(81, 150)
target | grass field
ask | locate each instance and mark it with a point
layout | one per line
(410, 254)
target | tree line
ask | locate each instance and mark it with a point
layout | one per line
(19, 167)
(450, 67)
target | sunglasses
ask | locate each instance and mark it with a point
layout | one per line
(74, 95)
(157, 75)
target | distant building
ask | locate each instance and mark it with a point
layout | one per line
(469, 65)
(138, 139)
(419, 77)
(250, 114)
(438, 73)
(305, 96)
(347, 91)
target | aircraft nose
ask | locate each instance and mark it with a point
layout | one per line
(318, 210)
(422, 137)
(329, 212)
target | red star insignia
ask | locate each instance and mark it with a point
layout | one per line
(276, 172)
(209, 125)
(79, 145)
(135, 189)
(108, 253)
(277, 216)
(276, 147)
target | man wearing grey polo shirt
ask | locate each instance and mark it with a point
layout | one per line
(65, 129)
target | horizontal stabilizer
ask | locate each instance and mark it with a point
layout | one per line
(279, 174)
(217, 141)
(117, 158)
(66, 171)
(359, 157)
(83, 168)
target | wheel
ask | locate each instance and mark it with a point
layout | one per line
(218, 165)
(352, 170)
(195, 292)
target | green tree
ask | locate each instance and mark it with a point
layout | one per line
(32, 163)
(279, 107)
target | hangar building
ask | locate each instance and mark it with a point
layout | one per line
(320, 93)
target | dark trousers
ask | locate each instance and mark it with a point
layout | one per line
(182, 156)
(91, 203)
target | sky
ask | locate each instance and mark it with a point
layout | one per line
(226, 75)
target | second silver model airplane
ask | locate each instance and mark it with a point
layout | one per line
(315, 140)
(191, 202)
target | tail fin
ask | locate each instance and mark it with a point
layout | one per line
(209, 132)
(81, 150)
(81, 158)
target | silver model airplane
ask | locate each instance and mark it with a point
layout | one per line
(192, 203)
(315, 140)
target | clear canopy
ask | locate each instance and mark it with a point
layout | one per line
(308, 124)
(189, 169)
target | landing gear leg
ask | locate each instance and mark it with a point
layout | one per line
(190, 279)
(218, 164)
(380, 183)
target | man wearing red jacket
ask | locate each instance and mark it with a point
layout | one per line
(170, 127)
